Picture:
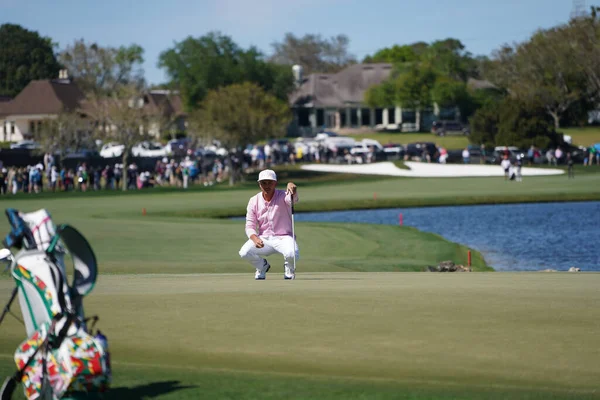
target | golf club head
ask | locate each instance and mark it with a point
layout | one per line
(7, 258)
(8, 387)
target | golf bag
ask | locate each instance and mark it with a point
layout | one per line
(61, 357)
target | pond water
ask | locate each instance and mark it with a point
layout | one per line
(511, 237)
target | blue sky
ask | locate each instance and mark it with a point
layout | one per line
(482, 25)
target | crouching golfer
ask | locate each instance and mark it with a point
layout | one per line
(269, 226)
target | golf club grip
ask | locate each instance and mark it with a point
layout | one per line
(292, 202)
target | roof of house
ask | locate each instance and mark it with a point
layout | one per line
(318, 90)
(353, 82)
(336, 90)
(3, 107)
(56, 96)
(166, 101)
(44, 97)
(349, 86)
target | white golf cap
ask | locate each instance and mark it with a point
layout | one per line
(267, 175)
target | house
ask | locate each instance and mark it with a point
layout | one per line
(169, 106)
(39, 100)
(336, 102)
(46, 99)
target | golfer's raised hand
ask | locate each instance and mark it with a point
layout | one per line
(291, 188)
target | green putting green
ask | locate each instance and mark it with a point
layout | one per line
(385, 335)
(186, 320)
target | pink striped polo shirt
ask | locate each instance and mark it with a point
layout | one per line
(270, 218)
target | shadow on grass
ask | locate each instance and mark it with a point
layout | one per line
(147, 391)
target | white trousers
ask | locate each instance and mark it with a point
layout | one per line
(284, 245)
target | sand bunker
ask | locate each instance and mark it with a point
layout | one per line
(426, 170)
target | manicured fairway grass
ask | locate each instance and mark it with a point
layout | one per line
(583, 136)
(449, 142)
(348, 335)
(580, 137)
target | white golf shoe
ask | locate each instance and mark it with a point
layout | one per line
(289, 271)
(261, 273)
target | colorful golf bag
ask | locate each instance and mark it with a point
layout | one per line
(61, 357)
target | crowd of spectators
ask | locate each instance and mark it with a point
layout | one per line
(208, 168)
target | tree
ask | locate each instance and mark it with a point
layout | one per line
(426, 73)
(70, 130)
(100, 69)
(313, 52)
(414, 88)
(523, 125)
(240, 114)
(273, 78)
(484, 125)
(24, 56)
(112, 79)
(583, 37)
(196, 66)
(541, 72)
(449, 58)
(394, 55)
(448, 92)
(120, 116)
(513, 123)
(381, 96)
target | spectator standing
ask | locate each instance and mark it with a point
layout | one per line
(592, 154)
(97, 177)
(3, 180)
(483, 153)
(530, 154)
(519, 164)
(570, 166)
(53, 178)
(443, 155)
(118, 173)
(12, 180)
(505, 164)
(24, 185)
(558, 154)
(268, 155)
(63, 178)
(550, 156)
(466, 156)
(82, 177)
(35, 179)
